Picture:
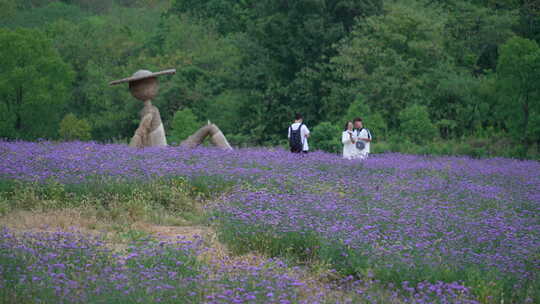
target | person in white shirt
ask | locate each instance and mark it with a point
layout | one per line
(348, 138)
(362, 134)
(298, 135)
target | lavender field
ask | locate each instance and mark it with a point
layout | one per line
(393, 229)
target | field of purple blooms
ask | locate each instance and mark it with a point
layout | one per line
(431, 230)
(71, 267)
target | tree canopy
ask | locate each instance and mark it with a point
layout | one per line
(35, 85)
(248, 66)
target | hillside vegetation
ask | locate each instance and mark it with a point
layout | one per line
(429, 77)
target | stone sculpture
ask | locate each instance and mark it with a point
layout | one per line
(216, 137)
(144, 86)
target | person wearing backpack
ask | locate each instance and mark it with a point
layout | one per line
(363, 138)
(298, 135)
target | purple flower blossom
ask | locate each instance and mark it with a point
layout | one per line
(445, 224)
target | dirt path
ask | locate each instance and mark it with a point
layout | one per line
(216, 254)
(78, 220)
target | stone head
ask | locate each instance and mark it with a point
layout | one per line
(144, 89)
(144, 84)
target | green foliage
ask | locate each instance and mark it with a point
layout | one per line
(101, 49)
(416, 125)
(35, 85)
(95, 6)
(72, 128)
(122, 203)
(229, 15)
(284, 44)
(518, 73)
(327, 137)
(529, 21)
(40, 16)
(248, 66)
(207, 72)
(455, 104)
(184, 124)
(389, 58)
(7, 8)
(372, 121)
(476, 31)
(141, 3)
(224, 110)
(239, 140)
(293, 245)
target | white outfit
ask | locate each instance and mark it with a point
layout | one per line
(304, 132)
(349, 149)
(363, 133)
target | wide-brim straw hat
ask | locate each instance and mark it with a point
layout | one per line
(142, 74)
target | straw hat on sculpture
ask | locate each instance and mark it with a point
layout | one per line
(144, 86)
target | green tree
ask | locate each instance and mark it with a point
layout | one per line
(298, 38)
(34, 84)
(183, 125)
(388, 58)
(416, 125)
(72, 128)
(29, 4)
(326, 137)
(228, 15)
(101, 49)
(518, 73)
(41, 15)
(96, 6)
(370, 120)
(208, 67)
(475, 30)
(7, 8)
(455, 103)
(284, 43)
(225, 111)
(529, 23)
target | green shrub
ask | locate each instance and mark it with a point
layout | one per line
(225, 110)
(183, 125)
(239, 140)
(381, 147)
(39, 13)
(416, 125)
(72, 128)
(326, 137)
(372, 121)
(446, 127)
(299, 246)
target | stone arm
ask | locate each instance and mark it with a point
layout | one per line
(216, 138)
(143, 132)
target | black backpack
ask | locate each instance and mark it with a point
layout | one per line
(295, 140)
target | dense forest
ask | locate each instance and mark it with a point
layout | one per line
(427, 76)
